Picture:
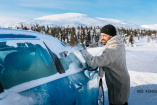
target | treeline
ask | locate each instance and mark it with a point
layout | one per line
(74, 35)
(129, 35)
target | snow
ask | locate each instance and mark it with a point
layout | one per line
(73, 19)
(141, 63)
(59, 17)
(144, 78)
(145, 57)
(113, 20)
(152, 26)
(14, 42)
(8, 22)
(17, 100)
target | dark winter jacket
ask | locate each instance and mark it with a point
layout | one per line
(113, 62)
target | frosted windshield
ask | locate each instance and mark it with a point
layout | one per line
(22, 62)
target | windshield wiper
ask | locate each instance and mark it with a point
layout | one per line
(56, 60)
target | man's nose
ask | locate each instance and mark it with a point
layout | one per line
(102, 38)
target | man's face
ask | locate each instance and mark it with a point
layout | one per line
(105, 38)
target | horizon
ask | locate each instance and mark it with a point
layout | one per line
(141, 13)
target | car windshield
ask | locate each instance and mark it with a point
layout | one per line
(24, 62)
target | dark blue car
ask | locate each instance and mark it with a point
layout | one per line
(38, 69)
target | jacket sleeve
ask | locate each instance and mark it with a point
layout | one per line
(96, 61)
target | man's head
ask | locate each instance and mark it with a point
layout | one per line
(107, 32)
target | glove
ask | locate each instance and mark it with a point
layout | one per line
(81, 47)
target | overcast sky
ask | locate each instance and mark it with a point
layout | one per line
(134, 11)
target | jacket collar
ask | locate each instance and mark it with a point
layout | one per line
(114, 41)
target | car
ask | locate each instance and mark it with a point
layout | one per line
(38, 69)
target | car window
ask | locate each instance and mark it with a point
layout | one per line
(55, 60)
(67, 59)
(24, 63)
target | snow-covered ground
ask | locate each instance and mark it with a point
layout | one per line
(142, 67)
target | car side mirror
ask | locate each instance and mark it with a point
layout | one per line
(91, 74)
(63, 54)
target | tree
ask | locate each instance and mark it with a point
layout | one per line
(72, 39)
(83, 35)
(131, 40)
(88, 38)
(94, 34)
(78, 36)
(124, 40)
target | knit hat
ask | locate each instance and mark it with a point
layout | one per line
(109, 29)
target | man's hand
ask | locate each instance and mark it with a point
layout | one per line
(81, 47)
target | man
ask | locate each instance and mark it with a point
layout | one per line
(113, 63)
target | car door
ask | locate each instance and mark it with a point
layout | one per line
(86, 86)
(87, 89)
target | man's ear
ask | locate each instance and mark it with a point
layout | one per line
(111, 37)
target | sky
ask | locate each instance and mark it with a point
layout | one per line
(139, 12)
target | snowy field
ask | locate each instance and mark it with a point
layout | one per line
(142, 67)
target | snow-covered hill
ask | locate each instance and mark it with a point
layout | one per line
(152, 27)
(75, 19)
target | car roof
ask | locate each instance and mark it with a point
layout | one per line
(7, 31)
(17, 34)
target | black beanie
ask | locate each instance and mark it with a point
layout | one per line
(109, 29)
